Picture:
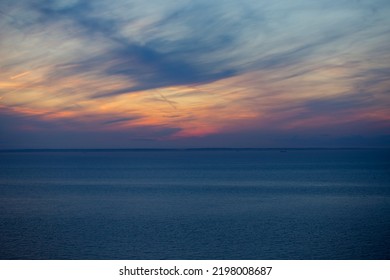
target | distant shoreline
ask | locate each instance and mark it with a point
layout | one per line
(185, 149)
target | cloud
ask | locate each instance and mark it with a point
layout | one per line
(144, 63)
(27, 131)
(119, 120)
(216, 66)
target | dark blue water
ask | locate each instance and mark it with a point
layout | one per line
(243, 204)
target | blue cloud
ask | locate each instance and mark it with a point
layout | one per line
(201, 41)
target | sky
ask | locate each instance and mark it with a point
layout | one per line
(194, 73)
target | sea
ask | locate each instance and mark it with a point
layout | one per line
(215, 204)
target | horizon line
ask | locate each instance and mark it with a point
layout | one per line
(181, 149)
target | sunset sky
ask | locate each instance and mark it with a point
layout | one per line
(195, 73)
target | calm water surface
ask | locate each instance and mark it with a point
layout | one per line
(212, 204)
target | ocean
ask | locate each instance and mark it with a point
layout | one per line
(293, 204)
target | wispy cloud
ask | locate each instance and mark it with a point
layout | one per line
(218, 67)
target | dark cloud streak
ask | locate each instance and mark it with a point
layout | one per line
(142, 63)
